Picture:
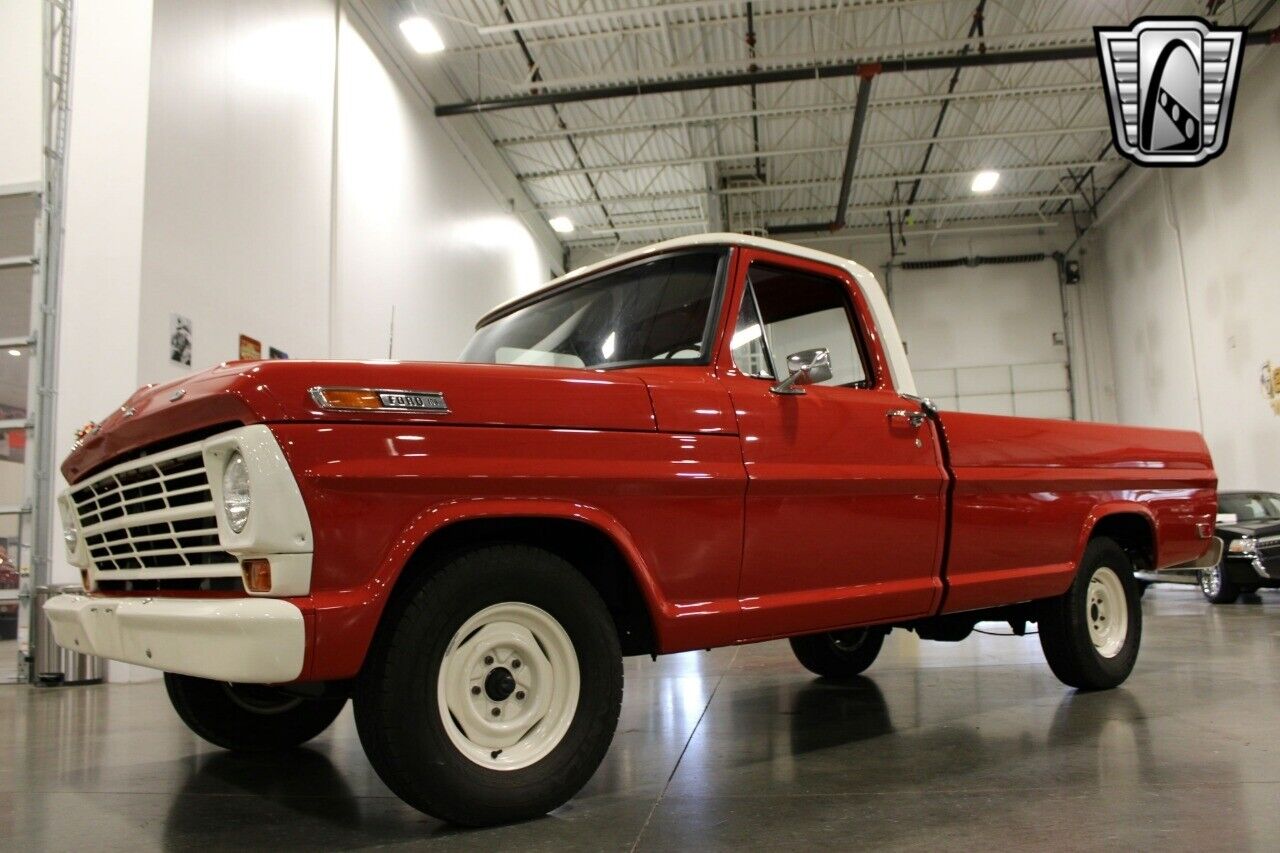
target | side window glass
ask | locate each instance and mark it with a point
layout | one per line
(750, 353)
(800, 311)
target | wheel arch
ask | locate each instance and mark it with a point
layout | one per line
(592, 541)
(1130, 526)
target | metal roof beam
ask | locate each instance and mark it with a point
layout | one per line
(855, 143)
(621, 128)
(1015, 223)
(611, 76)
(799, 186)
(793, 152)
(886, 65)
(614, 15)
(1036, 198)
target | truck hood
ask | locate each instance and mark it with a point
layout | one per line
(239, 393)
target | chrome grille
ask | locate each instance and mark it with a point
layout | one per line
(1267, 543)
(153, 518)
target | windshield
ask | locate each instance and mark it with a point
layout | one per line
(656, 311)
(1250, 506)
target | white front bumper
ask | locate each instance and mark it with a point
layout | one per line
(247, 640)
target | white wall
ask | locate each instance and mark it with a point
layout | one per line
(21, 60)
(1185, 261)
(416, 227)
(102, 250)
(236, 234)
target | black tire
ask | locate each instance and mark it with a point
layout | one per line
(1216, 587)
(1143, 586)
(249, 717)
(839, 654)
(1064, 621)
(397, 707)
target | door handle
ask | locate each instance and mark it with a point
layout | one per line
(916, 418)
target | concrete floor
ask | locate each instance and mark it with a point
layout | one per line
(8, 661)
(941, 746)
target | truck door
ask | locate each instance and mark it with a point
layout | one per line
(845, 488)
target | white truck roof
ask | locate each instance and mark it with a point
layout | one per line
(896, 353)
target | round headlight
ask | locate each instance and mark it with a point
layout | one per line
(235, 492)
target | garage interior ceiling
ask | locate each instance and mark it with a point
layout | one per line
(789, 157)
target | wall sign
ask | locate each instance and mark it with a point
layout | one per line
(180, 340)
(250, 348)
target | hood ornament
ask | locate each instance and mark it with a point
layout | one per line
(177, 395)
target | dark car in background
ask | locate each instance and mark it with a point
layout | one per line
(1249, 526)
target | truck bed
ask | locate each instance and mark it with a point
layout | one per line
(1028, 486)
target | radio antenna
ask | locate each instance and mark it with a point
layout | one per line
(391, 335)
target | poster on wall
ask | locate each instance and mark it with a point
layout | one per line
(180, 340)
(250, 348)
(277, 353)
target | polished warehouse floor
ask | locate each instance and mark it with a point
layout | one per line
(940, 747)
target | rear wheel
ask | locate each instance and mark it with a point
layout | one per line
(1215, 586)
(249, 717)
(1091, 634)
(839, 654)
(493, 693)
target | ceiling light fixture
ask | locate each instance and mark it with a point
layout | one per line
(561, 224)
(422, 35)
(15, 352)
(985, 181)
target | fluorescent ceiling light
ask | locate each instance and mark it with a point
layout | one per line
(561, 224)
(422, 35)
(985, 182)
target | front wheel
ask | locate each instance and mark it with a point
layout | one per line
(249, 717)
(839, 654)
(1215, 587)
(1090, 635)
(493, 692)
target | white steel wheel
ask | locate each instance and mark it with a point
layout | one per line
(508, 686)
(1107, 612)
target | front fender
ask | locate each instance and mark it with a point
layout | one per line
(345, 622)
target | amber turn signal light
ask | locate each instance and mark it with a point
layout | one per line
(346, 398)
(257, 575)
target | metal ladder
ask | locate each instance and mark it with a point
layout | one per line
(35, 523)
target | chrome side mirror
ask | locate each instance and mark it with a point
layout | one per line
(805, 368)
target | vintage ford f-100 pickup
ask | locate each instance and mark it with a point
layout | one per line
(710, 441)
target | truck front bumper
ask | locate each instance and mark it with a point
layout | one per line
(247, 640)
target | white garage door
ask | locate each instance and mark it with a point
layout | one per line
(1029, 390)
(987, 338)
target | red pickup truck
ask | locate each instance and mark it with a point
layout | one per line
(710, 441)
